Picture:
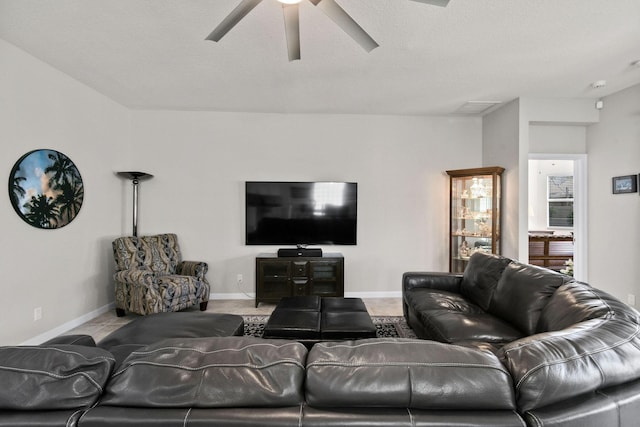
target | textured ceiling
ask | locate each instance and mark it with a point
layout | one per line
(152, 54)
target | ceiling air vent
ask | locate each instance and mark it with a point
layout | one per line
(476, 107)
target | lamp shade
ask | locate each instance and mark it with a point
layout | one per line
(135, 175)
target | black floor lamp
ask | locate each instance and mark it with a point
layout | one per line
(135, 178)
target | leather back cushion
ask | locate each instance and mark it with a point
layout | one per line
(572, 303)
(210, 373)
(406, 373)
(481, 276)
(591, 355)
(521, 294)
(52, 377)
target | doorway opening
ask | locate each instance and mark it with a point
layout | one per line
(557, 212)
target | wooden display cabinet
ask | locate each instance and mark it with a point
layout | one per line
(474, 214)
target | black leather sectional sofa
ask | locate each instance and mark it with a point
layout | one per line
(505, 344)
(572, 351)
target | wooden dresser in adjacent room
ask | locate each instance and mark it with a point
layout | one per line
(550, 250)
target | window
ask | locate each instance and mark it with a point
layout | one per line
(560, 201)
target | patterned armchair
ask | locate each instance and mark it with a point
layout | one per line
(152, 278)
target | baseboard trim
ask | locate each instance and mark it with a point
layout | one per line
(232, 296)
(395, 294)
(65, 327)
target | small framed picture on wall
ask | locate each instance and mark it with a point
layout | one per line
(625, 184)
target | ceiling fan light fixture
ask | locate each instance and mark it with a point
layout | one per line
(292, 22)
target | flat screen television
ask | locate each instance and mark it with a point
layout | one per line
(301, 213)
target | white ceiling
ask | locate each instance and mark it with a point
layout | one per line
(152, 54)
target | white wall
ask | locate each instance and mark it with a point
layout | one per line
(550, 139)
(501, 147)
(614, 220)
(202, 159)
(64, 271)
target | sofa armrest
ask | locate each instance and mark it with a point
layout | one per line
(197, 269)
(443, 281)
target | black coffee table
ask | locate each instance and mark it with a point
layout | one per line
(310, 319)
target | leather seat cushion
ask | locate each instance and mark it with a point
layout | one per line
(425, 299)
(52, 418)
(52, 377)
(210, 373)
(406, 373)
(450, 317)
(109, 416)
(451, 326)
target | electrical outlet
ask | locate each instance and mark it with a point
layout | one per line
(37, 314)
(240, 279)
(631, 300)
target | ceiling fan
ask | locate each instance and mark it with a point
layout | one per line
(292, 22)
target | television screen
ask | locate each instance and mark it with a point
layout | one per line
(301, 213)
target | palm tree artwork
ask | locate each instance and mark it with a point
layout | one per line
(46, 189)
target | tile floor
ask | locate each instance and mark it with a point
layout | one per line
(106, 323)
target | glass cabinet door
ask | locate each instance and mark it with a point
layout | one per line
(326, 278)
(474, 214)
(274, 278)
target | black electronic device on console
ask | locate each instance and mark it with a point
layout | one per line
(302, 252)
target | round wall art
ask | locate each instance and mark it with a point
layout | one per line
(45, 189)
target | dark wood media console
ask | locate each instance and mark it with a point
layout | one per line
(278, 277)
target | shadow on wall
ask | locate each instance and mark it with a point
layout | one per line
(103, 281)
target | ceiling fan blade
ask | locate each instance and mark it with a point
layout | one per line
(232, 19)
(441, 3)
(292, 30)
(346, 22)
